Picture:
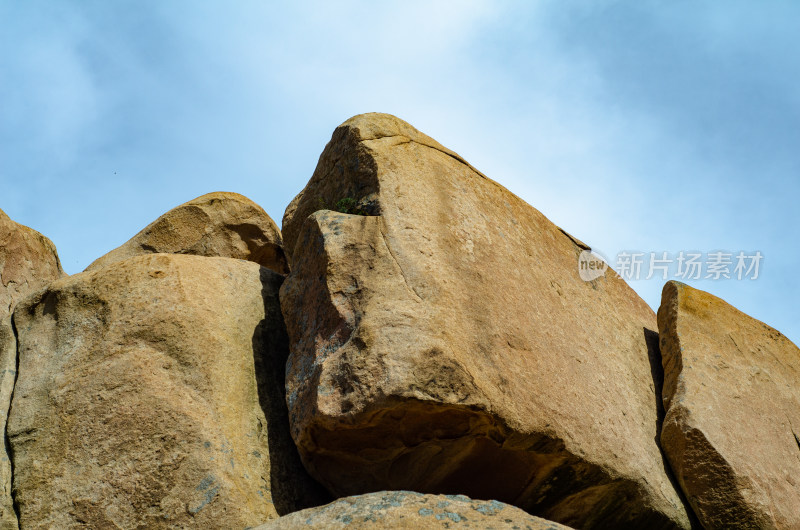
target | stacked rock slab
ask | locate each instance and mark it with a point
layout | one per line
(216, 224)
(443, 341)
(28, 262)
(732, 396)
(409, 511)
(141, 398)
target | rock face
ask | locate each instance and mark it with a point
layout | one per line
(732, 396)
(141, 398)
(8, 365)
(409, 510)
(218, 224)
(28, 262)
(443, 341)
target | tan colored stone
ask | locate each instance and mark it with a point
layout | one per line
(8, 365)
(445, 343)
(141, 398)
(28, 262)
(220, 224)
(732, 396)
(409, 510)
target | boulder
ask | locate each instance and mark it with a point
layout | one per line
(443, 341)
(150, 395)
(28, 262)
(732, 400)
(409, 510)
(218, 224)
(8, 365)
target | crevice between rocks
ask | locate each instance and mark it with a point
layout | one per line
(580, 244)
(652, 339)
(12, 492)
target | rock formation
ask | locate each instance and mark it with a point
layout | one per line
(424, 335)
(442, 341)
(140, 394)
(8, 365)
(28, 262)
(732, 396)
(217, 224)
(411, 511)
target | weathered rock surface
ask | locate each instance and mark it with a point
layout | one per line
(141, 399)
(444, 342)
(218, 224)
(8, 365)
(409, 510)
(732, 396)
(28, 262)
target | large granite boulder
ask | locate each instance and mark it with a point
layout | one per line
(8, 365)
(28, 262)
(443, 341)
(409, 510)
(732, 396)
(150, 395)
(218, 224)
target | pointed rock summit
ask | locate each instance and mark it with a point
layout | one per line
(732, 396)
(218, 224)
(443, 341)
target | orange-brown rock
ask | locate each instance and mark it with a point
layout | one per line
(28, 262)
(8, 365)
(150, 395)
(218, 224)
(410, 511)
(732, 396)
(443, 341)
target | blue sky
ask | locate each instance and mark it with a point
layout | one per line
(642, 125)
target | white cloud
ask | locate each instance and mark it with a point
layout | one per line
(591, 113)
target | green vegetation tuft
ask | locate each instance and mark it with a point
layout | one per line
(346, 205)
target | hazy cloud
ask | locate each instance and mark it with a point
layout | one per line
(649, 125)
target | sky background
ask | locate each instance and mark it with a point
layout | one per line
(641, 126)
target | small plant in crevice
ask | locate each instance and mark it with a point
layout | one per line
(349, 205)
(346, 205)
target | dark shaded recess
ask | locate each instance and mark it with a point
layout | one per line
(292, 487)
(657, 373)
(6, 440)
(346, 169)
(651, 338)
(265, 254)
(447, 449)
